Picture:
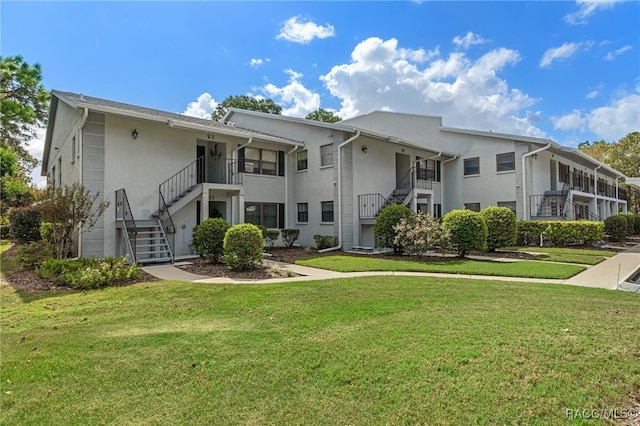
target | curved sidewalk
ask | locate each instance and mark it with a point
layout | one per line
(603, 275)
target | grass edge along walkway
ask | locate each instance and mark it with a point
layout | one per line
(524, 269)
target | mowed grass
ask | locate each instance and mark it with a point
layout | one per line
(568, 255)
(523, 269)
(361, 351)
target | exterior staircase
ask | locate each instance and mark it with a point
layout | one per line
(146, 240)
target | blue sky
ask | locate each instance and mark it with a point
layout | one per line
(564, 70)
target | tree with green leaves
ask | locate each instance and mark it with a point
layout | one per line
(246, 102)
(324, 116)
(71, 211)
(623, 156)
(14, 188)
(23, 106)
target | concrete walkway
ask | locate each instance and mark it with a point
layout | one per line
(603, 275)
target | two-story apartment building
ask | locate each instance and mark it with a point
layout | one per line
(164, 173)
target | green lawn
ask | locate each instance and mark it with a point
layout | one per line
(362, 351)
(524, 269)
(568, 255)
(6, 264)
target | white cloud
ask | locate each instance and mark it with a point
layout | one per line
(297, 100)
(467, 92)
(256, 62)
(563, 52)
(586, 8)
(592, 95)
(612, 55)
(611, 122)
(201, 108)
(298, 30)
(469, 40)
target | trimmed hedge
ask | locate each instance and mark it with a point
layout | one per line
(501, 227)
(290, 236)
(616, 227)
(468, 231)
(559, 232)
(270, 236)
(243, 246)
(325, 241)
(208, 238)
(388, 218)
(633, 224)
(24, 224)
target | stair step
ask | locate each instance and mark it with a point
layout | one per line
(155, 260)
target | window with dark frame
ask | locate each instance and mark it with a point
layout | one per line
(327, 211)
(472, 166)
(506, 162)
(563, 172)
(326, 155)
(303, 212)
(260, 161)
(508, 204)
(265, 214)
(472, 206)
(301, 158)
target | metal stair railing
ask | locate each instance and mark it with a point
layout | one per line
(370, 205)
(182, 182)
(167, 225)
(124, 214)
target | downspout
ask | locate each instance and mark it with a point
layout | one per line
(595, 188)
(83, 120)
(524, 178)
(286, 186)
(343, 144)
(442, 181)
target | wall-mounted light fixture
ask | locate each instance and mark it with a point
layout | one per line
(364, 149)
(535, 156)
(134, 134)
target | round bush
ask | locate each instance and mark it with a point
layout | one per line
(386, 220)
(468, 231)
(501, 227)
(616, 227)
(633, 224)
(208, 238)
(243, 246)
(25, 224)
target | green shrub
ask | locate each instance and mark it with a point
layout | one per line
(208, 238)
(243, 246)
(271, 236)
(386, 220)
(616, 227)
(633, 224)
(467, 230)
(25, 224)
(32, 255)
(88, 273)
(325, 241)
(290, 236)
(561, 233)
(501, 227)
(528, 232)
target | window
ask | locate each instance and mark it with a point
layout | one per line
(472, 206)
(302, 160)
(53, 177)
(73, 150)
(437, 210)
(60, 171)
(326, 155)
(303, 212)
(506, 162)
(472, 166)
(429, 172)
(260, 161)
(327, 211)
(269, 215)
(423, 207)
(564, 172)
(508, 204)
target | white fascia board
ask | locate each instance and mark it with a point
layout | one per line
(403, 142)
(529, 139)
(184, 124)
